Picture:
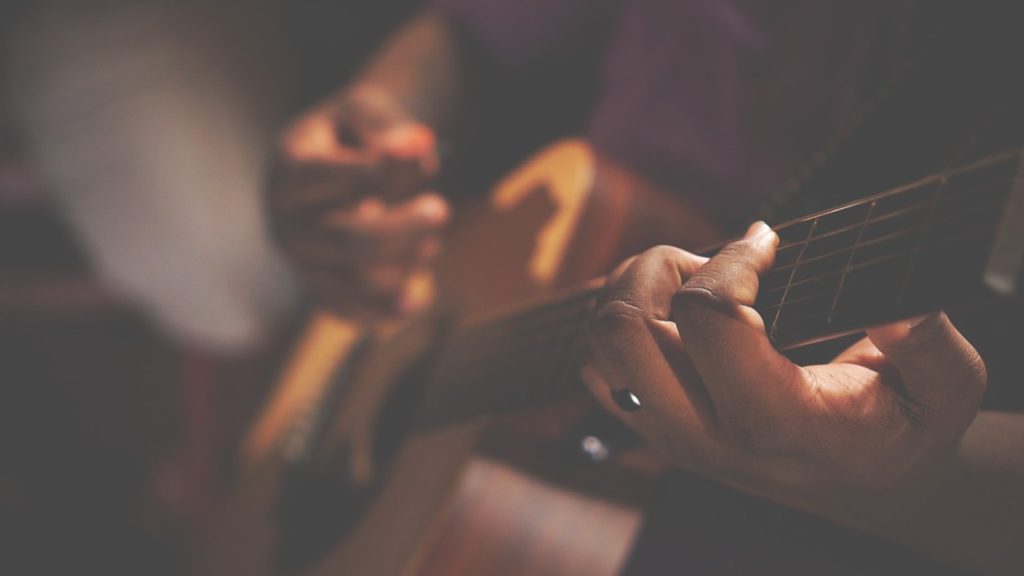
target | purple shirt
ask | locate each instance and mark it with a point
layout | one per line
(721, 100)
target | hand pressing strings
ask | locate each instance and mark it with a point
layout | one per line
(860, 437)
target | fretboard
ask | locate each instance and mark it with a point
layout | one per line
(903, 252)
(906, 251)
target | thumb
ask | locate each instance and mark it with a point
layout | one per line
(939, 368)
(407, 141)
(409, 153)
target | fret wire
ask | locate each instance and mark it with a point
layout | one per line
(569, 329)
(792, 273)
(873, 262)
(881, 218)
(858, 243)
(855, 268)
(886, 216)
(827, 255)
(919, 245)
(941, 177)
(849, 261)
(884, 238)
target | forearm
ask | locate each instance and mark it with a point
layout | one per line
(421, 67)
(975, 517)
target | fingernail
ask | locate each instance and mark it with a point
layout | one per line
(408, 141)
(903, 329)
(757, 229)
(916, 321)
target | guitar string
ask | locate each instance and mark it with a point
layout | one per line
(920, 244)
(849, 262)
(567, 336)
(789, 279)
(764, 290)
(882, 259)
(555, 341)
(1005, 159)
(460, 390)
(789, 321)
(881, 218)
(564, 340)
(831, 233)
(546, 319)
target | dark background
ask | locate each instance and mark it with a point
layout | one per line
(114, 440)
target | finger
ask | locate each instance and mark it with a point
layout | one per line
(648, 281)
(409, 160)
(863, 353)
(939, 368)
(372, 231)
(725, 336)
(309, 187)
(313, 139)
(369, 235)
(355, 249)
(427, 212)
(318, 171)
(633, 346)
(408, 141)
(601, 390)
(676, 413)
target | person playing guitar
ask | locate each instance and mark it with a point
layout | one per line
(352, 201)
(719, 102)
(887, 437)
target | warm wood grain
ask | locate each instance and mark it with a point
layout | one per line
(442, 509)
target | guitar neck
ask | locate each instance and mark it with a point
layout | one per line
(906, 251)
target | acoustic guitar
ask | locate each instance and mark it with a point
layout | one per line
(566, 215)
(368, 458)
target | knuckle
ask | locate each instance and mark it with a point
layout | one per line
(616, 323)
(976, 381)
(743, 251)
(660, 256)
(700, 296)
(295, 144)
(661, 253)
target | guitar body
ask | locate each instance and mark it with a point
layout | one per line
(450, 502)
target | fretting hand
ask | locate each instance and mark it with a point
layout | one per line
(872, 434)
